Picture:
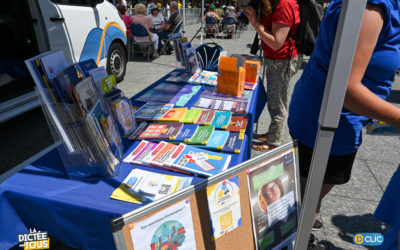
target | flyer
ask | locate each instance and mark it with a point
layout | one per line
(224, 206)
(274, 201)
(171, 228)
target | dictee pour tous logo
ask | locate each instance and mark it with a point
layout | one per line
(368, 239)
(34, 240)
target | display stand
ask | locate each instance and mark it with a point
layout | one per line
(240, 237)
(345, 44)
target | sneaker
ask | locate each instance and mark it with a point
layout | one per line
(317, 225)
(155, 54)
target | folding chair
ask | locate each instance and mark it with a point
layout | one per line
(230, 26)
(211, 26)
(138, 30)
(165, 42)
(208, 56)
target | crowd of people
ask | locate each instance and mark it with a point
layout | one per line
(158, 28)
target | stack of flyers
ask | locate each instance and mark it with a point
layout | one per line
(202, 135)
(206, 117)
(238, 123)
(240, 106)
(142, 186)
(200, 161)
(161, 131)
(217, 140)
(221, 119)
(152, 111)
(187, 131)
(191, 116)
(234, 143)
(204, 77)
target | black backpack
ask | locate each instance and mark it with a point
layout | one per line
(310, 17)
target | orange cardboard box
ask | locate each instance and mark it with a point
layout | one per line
(230, 77)
(252, 69)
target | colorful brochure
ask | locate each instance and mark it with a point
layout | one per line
(200, 161)
(202, 135)
(237, 124)
(173, 115)
(187, 131)
(142, 186)
(152, 111)
(185, 94)
(221, 119)
(191, 116)
(217, 140)
(206, 117)
(163, 155)
(161, 131)
(140, 152)
(234, 143)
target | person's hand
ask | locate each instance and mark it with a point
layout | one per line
(252, 16)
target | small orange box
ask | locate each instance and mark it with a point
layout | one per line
(252, 69)
(230, 77)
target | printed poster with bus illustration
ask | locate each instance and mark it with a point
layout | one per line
(224, 206)
(171, 228)
(274, 202)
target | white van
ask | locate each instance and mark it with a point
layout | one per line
(83, 29)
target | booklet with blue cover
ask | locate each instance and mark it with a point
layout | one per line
(217, 140)
(221, 119)
(200, 161)
(187, 131)
(152, 111)
(234, 143)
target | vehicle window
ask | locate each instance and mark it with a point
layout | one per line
(73, 2)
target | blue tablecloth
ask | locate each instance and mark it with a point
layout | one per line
(76, 212)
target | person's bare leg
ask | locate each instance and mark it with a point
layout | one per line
(398, 239)
(324, 191)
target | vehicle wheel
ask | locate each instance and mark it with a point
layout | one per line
(116, 61)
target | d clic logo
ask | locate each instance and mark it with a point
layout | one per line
(368, 239)
(34, 240)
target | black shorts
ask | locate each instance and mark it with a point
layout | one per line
(338, 170)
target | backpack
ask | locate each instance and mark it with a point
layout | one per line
(310, 18)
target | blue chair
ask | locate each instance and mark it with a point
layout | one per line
(229, 26)
(211, 26)
(208, 56)
(139, 30)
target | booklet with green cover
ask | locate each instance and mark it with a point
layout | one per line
(191, 116)
(202, 135)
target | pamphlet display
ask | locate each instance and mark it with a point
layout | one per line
(274, 201)
(78, 115)
(171, 228)
(224, 206)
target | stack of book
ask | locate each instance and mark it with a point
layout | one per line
(206, 136)
(179, 158)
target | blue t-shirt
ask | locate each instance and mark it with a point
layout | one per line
(307, 96)
(388, 211)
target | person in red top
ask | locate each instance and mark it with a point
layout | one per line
(274, 20)
(127, 20)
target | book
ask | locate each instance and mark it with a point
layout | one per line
(138, 131)
(108, 84)
(192, 62)
(221, 119)
(202, 135)
(177, 77)
(206, 117)
(238, 123)
(140, 152)
(163, 155)
(152, 111)
(213, 94)
(142, 186)
(66, 81)
(205, 77)
(84, 95)
(86, 66)
(124, 116)
(173, 115)
(146, 160)
(234, 143)
(224, 105)
(191, 116)
(200, 161)
(53, 64)
(381, 128)
(156, 95)
(161, 131)
(217, 140)
(97, 75)
(185, 94)
(113, 137)
(187, 131)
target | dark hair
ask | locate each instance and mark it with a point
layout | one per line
(263, 7)
(122, 9)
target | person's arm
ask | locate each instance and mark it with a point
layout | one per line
(359, 99)
(149, 23)
(275, 37)
(168, 24)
